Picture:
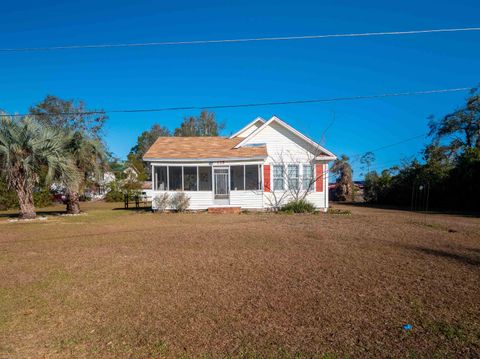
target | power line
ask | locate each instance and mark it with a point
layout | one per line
(223, 41)
(258, 104)
(392, 144)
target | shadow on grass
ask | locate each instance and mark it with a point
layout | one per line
(39, 214)
(432, 211)
(133, 209)
(464, 258)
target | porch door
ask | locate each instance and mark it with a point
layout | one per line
(220, 178)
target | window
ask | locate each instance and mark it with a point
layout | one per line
(189, 178)
(293, 177)
(175, 178)
(237, 178)
(307, 177)
(205, 178)
(278, 178)
(252, 181)
(160, 178)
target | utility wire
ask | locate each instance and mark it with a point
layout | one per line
(258, 104)
(390, 145)
(223, 41)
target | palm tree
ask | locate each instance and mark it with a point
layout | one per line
(27, 148)
(89, 157)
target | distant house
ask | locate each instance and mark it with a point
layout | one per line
(130, 174)
(99, 188)
(263, 165)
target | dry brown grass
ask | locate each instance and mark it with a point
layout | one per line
(141, 285)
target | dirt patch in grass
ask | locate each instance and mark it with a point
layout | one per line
(135, 284)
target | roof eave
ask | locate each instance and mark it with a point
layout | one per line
(257, 119)
(209, 159)
(326, 158)
(288, 127)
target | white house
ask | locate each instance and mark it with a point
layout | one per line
(264, 165)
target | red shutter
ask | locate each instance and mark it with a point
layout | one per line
(319, 178)
(266, 178)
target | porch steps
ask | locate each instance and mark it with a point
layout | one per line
(224, 210)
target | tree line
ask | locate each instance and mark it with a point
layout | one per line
(61, 142)
(449, 168)
(206, 124)
(57, 142)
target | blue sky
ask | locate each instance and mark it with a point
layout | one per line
(250, 72)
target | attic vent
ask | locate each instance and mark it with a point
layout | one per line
(255, 145)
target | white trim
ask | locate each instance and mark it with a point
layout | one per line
(291, 129)
(153, 177)
(183, 178)
(214, 188)
(211, 159)
(168, 179)
(187, 164)
(325, 158)
(325, 185)
(258, 119)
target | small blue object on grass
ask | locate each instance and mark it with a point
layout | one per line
(407, 327)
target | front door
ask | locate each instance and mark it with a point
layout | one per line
(220, 180)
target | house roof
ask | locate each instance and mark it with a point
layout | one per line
(254, 122)
(202, 148)
(147, 185)
(327, 154)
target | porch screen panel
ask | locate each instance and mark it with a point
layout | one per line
(175, 178)
(252, 180)
(189, 178)
(205, 178)
(236, 178)
(160, 178)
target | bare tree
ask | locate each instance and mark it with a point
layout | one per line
(293, 183)
(366, 160)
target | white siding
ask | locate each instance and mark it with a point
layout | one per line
(282, 145)
(198, 199)
(204, 199)
(271, 199)
(247, 199)
(319, 199)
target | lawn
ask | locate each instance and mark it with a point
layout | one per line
(127, 284)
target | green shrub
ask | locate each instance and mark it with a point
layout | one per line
(298, 206)
(114, 196)
(42, 198)
(8, 198)
(114, 192)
